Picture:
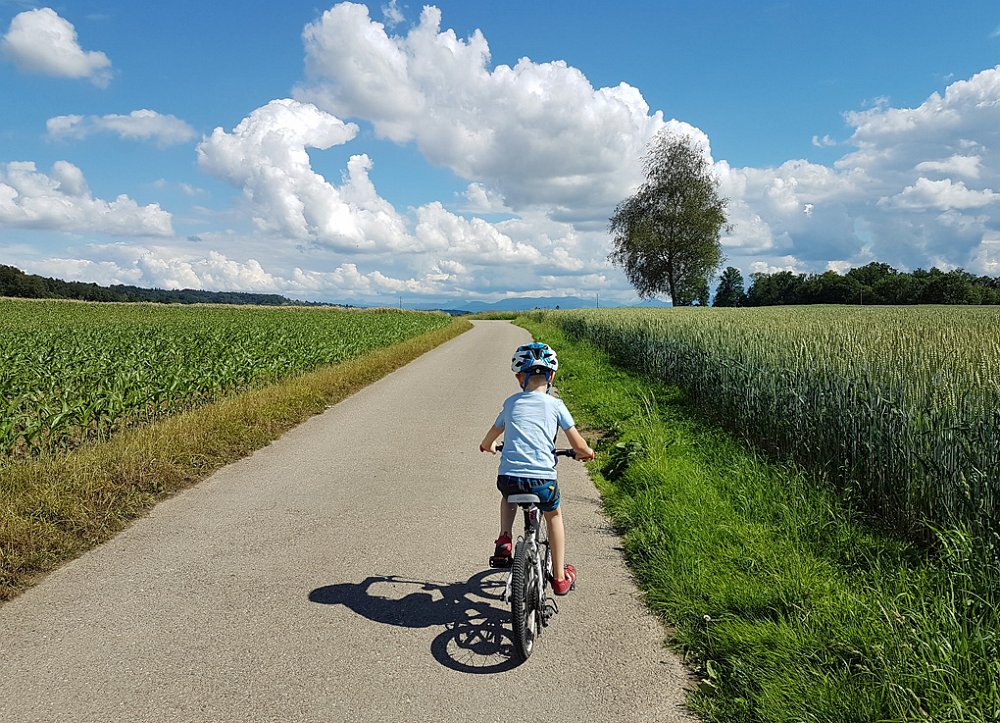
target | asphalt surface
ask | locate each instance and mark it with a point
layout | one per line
(339, 574)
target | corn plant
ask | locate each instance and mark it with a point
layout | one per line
(71, 372)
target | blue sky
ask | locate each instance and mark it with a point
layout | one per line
(474, 150)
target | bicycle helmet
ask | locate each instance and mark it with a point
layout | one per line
(534, 356)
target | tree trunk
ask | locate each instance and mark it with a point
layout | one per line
(672, 283)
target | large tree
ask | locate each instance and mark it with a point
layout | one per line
(666, 235)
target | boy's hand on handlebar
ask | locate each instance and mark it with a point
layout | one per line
(489, 443)
(583, 451)
(581, 455)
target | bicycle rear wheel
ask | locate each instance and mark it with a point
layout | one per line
(524, 602)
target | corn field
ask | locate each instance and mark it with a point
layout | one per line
(897, 406)
(72, 371)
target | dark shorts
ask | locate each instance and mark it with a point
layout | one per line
(546, 489)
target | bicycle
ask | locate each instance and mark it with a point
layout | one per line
(530, 573)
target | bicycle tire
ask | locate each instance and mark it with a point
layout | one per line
(523, 605)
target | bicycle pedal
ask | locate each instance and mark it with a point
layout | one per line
(501, 563)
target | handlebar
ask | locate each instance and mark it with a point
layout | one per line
(571, 453)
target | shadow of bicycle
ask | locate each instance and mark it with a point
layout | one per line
(474, 639)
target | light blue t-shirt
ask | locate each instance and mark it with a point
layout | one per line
(530, 421)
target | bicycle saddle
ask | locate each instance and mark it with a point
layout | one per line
(523, 499)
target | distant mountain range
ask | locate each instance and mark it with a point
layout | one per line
(525, 303)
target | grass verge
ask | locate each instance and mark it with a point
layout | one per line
(53, 508)
(788, 604)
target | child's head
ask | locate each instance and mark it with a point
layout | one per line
(534, 364)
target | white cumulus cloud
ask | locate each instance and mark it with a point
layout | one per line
(957, 165)
(87, 270)
(161, 266)
(355, 284)
(941, 195)
(266, 155)
(141, 125)
(442, 231)
(966, 113)
(915, 188)
(392, 13)
(538, 133)
(40, 41)
(986, 257)
(214, 271)
(61, 200)
(481, 199)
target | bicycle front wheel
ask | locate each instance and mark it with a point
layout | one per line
(524, 602)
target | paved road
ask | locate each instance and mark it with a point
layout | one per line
(339, 575)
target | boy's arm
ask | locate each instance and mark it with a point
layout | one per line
(489, 443)
(583, 451)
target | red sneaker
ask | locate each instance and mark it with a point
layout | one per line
(562, 587)
(501, 556)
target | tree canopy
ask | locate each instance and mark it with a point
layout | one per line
(730, 291)
(666, 235)
(874, 283)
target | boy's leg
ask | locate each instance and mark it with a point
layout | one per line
(507, 514)
(504, 543)
(557, 541)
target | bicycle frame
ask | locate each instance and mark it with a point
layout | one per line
(530, 538)
(530, 572)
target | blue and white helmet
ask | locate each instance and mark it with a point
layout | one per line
(534, 356)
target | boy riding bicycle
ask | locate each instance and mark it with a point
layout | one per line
(529, 422)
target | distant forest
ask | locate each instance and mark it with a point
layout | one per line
(14, 282)
(875, 283)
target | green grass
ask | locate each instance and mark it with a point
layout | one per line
(55, 506)
(790, 606)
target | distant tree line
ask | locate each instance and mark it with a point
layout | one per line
(874, 283)
(14, 282)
